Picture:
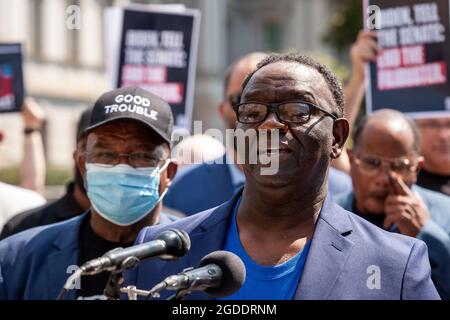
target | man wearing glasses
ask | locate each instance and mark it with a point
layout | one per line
(385, 161)
(295, 242)
(207, 185)
(126, 170)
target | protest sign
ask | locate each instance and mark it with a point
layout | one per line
(411, 73)
(157, 51)
(11, 77)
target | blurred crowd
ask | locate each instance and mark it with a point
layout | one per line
(394, 172)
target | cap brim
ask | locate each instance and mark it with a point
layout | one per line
(161, 135)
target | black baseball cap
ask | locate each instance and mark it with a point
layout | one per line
(133, 103)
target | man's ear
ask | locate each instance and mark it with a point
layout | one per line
(80, 162)
(341, 131)
(79, 156)
(420, 163)
(221, 109)
(76, 153)
(171, 170)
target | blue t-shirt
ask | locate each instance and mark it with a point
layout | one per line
(277, 282)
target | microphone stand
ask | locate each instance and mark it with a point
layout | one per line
(112, 289)
(179, 295)
(133, 293)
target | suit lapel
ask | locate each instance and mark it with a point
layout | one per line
(328, 254)
(64, 255)
(326, 259)
(210, 236)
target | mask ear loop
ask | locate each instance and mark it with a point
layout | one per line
(163, 194)
(164, 167)
(158, 170)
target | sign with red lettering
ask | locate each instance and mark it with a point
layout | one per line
(11, 77)
(157, 51)
(411, 73)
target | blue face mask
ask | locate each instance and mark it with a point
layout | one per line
(122, 194)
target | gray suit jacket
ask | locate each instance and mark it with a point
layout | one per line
(349, 258)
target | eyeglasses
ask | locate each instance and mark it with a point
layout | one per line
(298, 112)
(234, 98)
(370, 165)
(135, 159)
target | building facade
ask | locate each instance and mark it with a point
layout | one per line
(65, 68)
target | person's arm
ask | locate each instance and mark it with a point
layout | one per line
(32, 171)
(364, 50)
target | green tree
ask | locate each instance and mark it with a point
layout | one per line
(344, 26)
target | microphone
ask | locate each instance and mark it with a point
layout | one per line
(170, 244)
(220, 274)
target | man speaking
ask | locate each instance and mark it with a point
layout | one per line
(294, 241)
(126, 169)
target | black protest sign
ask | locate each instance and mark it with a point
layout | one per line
(412, 70)
(11, 77)
(158, 53)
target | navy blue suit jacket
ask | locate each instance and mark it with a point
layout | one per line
(344, 253)
(34, 263)
(203, 186)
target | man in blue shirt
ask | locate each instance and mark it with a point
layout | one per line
(277, 282)
(206, 185)
(289, 233)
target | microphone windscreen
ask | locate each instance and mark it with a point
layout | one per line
(233, 270)
(177, 241)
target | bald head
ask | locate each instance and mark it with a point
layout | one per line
(388, 131)
(238, 70)
(234, 76)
